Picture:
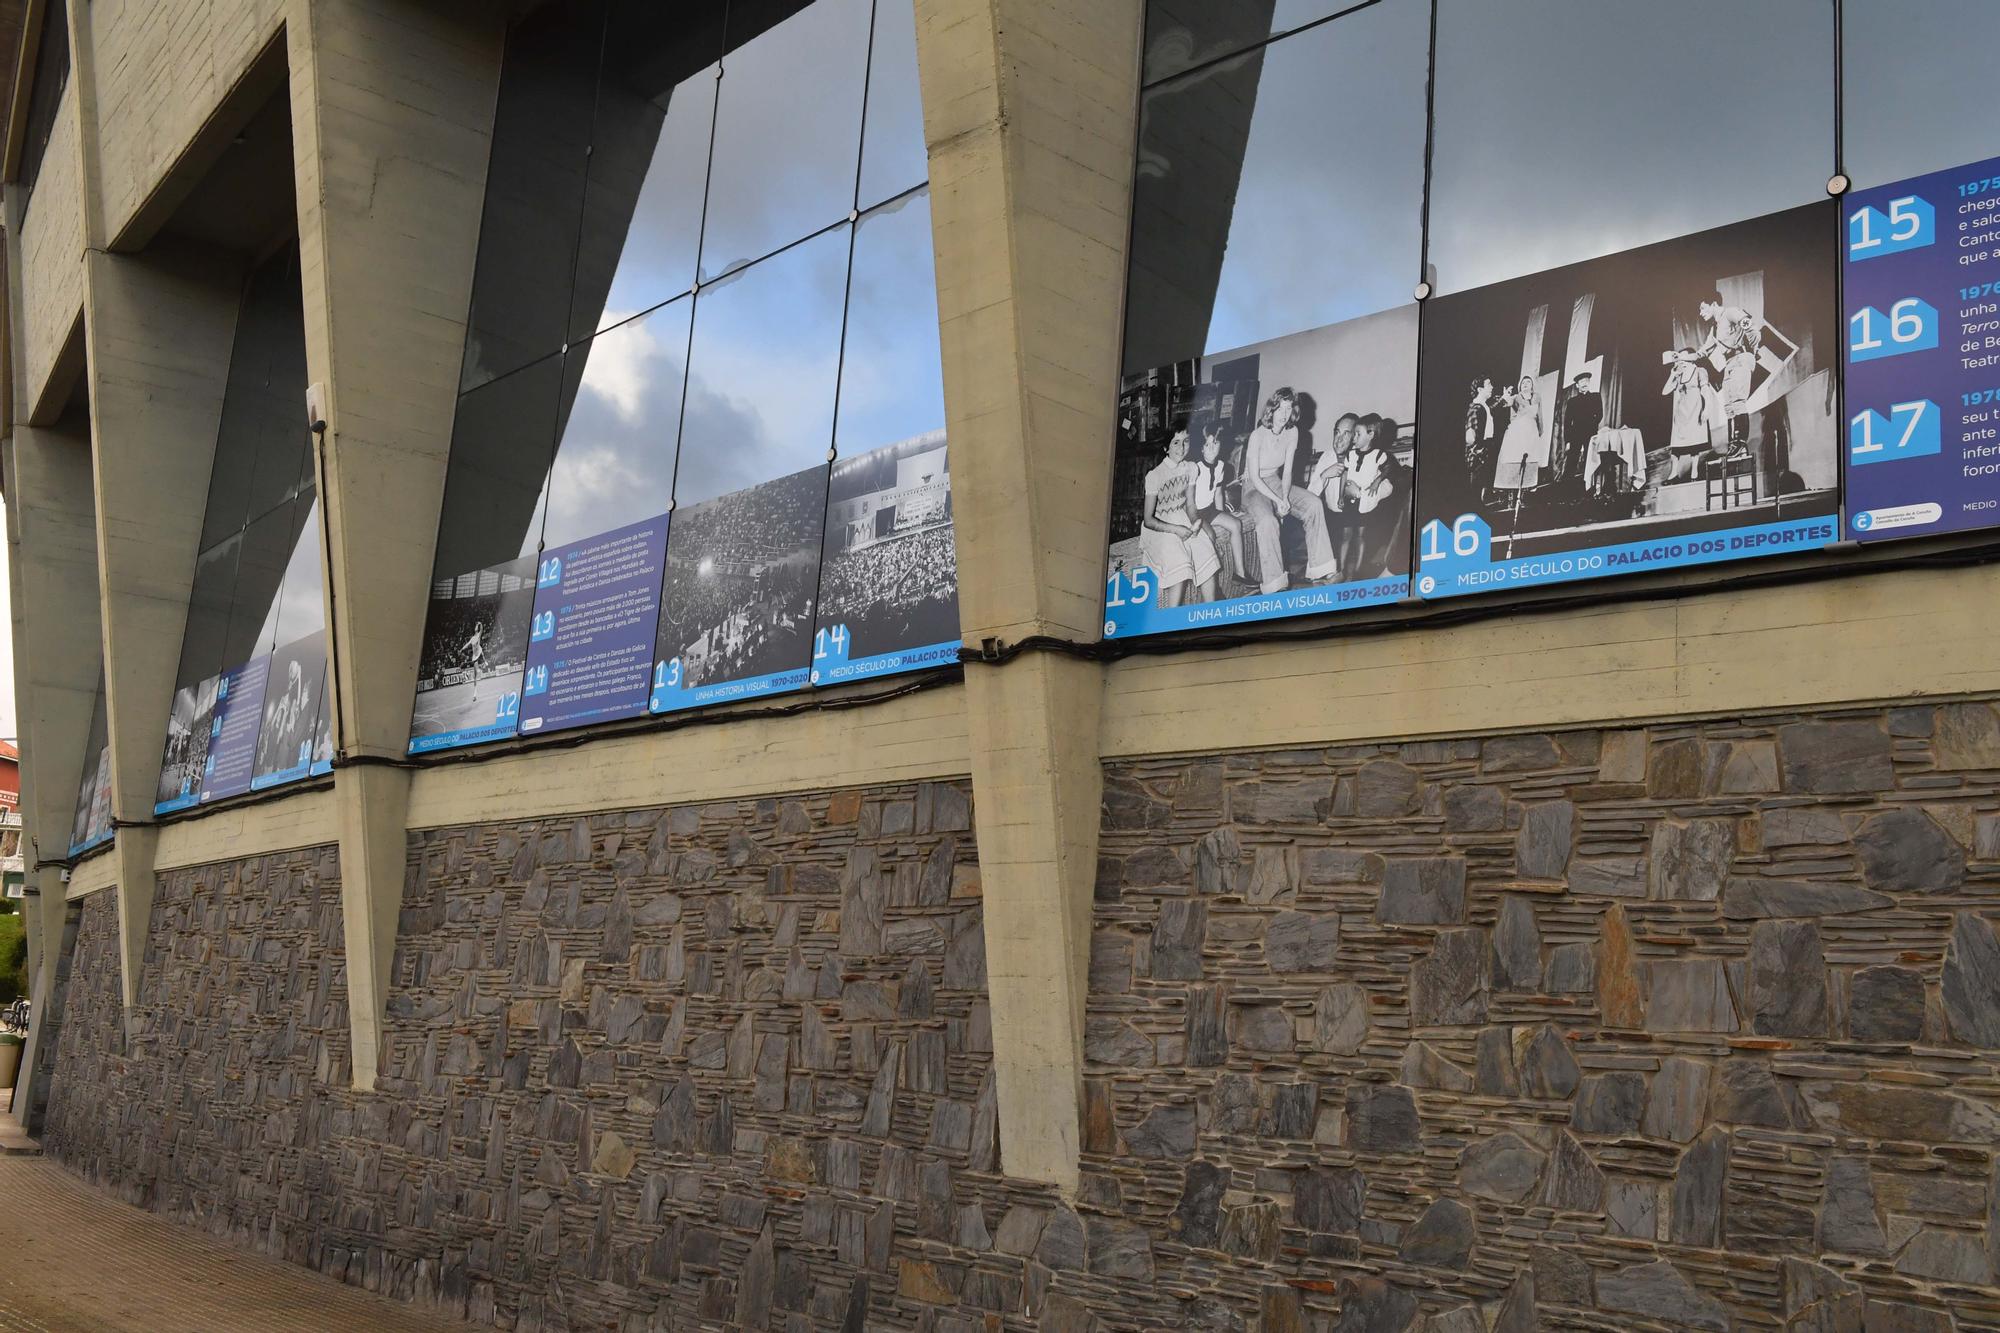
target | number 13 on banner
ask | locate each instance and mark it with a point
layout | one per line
(1910, 431)
(1910, 224)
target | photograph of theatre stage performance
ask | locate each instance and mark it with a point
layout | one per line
(890, 573)
(742, 570)
(1675, 389)
(475, 644)
(1270, 467)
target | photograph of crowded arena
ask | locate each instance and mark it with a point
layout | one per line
(475, 644)
(742, 570)
(187, 741)
(890, 573)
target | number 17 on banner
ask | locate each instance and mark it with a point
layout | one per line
(1909, 431)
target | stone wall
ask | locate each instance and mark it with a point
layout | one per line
(718, 1066)
(1695, 1028)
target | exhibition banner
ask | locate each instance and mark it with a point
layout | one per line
(1922, 295)
(475, 647)
(291, 711)
(736, 616)
(590, 641)
(1267, 481)
(239, 715)
(1669, 406)
(888, 579)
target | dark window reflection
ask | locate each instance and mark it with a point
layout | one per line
(301, 592)
(534, 189)
(891, 379)
(496, 485)
(1181, 34)
(260, 572)
(622, 410)
(787, 129)
(262, 446)
(1898, 125)
(1568, 129)
(762, 370)
(648, 162)
(893, 156)
(208, 611)
(1281, 190)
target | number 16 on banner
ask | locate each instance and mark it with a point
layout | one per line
(1910, 326)
(1910, 431)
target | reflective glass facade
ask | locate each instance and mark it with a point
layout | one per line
(704, 284)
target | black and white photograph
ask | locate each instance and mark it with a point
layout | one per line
(291, 707)
(1266, 471)
(186, 753)
(1680, 388)
(742, 576)
(475, 644)
(889, 576)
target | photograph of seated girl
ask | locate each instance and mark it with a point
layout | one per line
(1172, 542)
(1217, 503)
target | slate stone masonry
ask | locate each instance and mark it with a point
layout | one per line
(704, 1067)
(1691, 1028)
(1683, 1028)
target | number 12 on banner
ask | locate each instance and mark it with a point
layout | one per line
(1910, 431)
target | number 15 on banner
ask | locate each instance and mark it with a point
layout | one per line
(1910, 224)
(1909, 431)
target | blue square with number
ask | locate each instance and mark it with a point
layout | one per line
(1903, 224)
(1911, 430)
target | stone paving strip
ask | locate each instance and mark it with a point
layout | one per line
(78, 1261)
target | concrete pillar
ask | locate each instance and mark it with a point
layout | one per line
(56, 651)
(159, 331)
(392, 114)
(1029, 111)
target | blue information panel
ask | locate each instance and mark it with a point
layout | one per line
(1265, 482)
(1923, 354)
(239, 715)
(590, 640)
(1669, 406)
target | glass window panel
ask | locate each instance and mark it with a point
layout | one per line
(496, 485)
(1281, 190)
(622, 419)
(91, 823)
(262, 446)
(1181, 34)
(893, 156)
(787, 129)
(1569, 129)
(648, 163)
(260, 570)
(891, 377)
(301, 593)
(762, 370)
(209, 603)
(534, 189)
(1896, 49)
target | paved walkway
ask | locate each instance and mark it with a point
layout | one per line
(73, 1260)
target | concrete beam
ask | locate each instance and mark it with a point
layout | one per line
(392, 116)
(1029, 112)
(159, 336)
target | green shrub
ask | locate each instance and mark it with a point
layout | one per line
(13, 958)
